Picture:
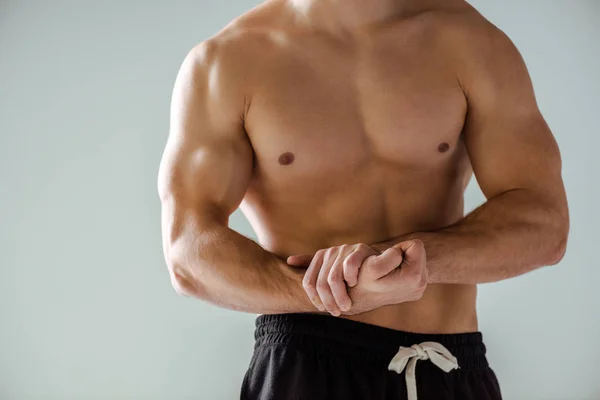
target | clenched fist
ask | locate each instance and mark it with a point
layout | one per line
(352, 279)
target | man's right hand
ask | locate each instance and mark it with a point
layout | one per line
(397, 275)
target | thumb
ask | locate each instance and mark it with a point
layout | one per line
(300, 260)
(386, 262)
(413, 250)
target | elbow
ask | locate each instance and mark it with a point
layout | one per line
(182, 285)
(558, 243)
(183, 280)
(558, 251)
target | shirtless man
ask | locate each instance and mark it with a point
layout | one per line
(347, 131)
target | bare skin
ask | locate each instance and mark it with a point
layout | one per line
(353, 127)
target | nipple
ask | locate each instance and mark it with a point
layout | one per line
(443, 147)
(286, 158)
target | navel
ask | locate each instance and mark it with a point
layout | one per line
(443, 147)
(286, 158)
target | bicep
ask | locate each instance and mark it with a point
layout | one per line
(509, 143)
(207, 161)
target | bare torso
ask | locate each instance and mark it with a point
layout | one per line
(357, 139)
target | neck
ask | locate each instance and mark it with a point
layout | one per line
(352, 14)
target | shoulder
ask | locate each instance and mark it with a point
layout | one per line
(463, 28)
(473, 38)
(235, 52)
(480, 53)
(245, 36)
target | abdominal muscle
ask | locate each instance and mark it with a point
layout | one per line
(444, 308)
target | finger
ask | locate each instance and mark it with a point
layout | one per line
(309, 282)
(414, 251)
(323, 288)
(353, 262)
(414, 264)
(338, 285)
(387, 262)
(300, 260)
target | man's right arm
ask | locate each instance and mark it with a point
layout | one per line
(204, 174)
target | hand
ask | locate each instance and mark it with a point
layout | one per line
(329, 270)
(396, 276)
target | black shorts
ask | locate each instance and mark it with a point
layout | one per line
(320, 357)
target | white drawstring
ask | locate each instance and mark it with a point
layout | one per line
(438, 354)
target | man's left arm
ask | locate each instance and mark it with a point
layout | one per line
(524, 223)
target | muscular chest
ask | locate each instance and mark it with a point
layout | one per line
(324, 111)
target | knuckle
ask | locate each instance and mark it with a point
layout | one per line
(307, 283)
(362, 246)
(368, 262)
(350, 264)
(346, 263)
(309, 287)
(418, 242)
(332, 280)
(322, 286)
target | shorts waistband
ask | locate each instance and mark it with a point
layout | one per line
(360, 340)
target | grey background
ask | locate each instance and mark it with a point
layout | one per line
(86, 307)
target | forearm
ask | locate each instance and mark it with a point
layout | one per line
(511, 234)
(229, 270)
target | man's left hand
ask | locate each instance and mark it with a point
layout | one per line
(329, 270)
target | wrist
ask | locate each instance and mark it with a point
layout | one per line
(293, 277)
(394, 242)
